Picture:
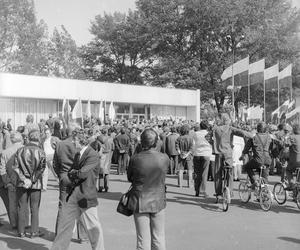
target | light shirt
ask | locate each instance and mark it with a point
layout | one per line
(82, 150)
(202, 147)
(47, 147)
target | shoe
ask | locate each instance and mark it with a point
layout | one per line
(36, 234)
(81, 241)
(21, 235)
(197, 194)
(105, 190)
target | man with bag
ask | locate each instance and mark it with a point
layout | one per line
(81, 201)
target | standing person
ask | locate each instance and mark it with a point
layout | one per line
(147, 172)
(30, 163)
(82, 199)
(184, 146)
(50, 123)
(63, 161)
(105, 161)
(9, 179)
(30, 125)
(49, 145)
(8, 125)
(122, 143)
(172, 151)
(222, 142)
(202, 154)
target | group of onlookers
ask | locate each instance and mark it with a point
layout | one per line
(81, 158)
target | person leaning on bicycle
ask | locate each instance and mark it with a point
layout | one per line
(261, 145)
(294, 157)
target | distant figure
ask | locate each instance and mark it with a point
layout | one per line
(147, 171)
(8, 125)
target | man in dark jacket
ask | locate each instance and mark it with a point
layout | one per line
(82, 198)
(172, 151)
(122, 143)
(261, 145)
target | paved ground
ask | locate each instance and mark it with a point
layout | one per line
(192, 223)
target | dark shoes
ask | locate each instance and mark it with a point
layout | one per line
(36, 234)
(21, 235)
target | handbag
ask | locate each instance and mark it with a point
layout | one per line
(123, 204)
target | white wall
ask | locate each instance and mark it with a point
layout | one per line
(15, 85)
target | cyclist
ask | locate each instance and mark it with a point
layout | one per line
(261, 145)
(294, 157)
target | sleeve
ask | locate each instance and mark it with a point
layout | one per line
(129, 170)
(55, 162)
(40, 168)
(92, 162)
(248, 146)
(4, 176)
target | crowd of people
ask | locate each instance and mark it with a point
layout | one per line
(80, 158)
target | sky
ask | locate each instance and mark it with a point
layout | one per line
(76, 15)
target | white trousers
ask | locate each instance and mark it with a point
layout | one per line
(89, 217)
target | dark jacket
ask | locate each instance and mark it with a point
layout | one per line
(171, 144)
(261, 145)
(122, 142)
(294, 146)
(147, 172)
(87, 169)
(30, 162)
(63, 160)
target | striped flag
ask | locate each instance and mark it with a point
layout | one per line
(285, 77)
(239, 70)
(256, 72)
(111, 112)
(101, 112)
(66, 110)
(88, 109)
(271, 77)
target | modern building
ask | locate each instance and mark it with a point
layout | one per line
(24, 94)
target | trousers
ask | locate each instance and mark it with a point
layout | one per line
(150, 231)
(89, 218)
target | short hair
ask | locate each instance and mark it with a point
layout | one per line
(296, 129)
(81, 136)
(173, 129)
(34, 135)
(185, 129)
(15, 137)
(29, 118)
(197, 127)
(261, 127)
(225, 119)
(72, 126)
(149, 138)
(204, 124)
(280, 126)
(122, 130)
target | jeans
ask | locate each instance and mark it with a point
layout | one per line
(69, 214)
(173, 164)
(122, 163)
(251, 165)
(34, 196)
(150, 230)
(201, 166)
(220, 162)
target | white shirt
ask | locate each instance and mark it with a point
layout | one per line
(82, 150)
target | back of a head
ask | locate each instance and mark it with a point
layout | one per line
(82, 136)
(122, 131)
(149, 138)
(204, 124)
(34, 135)
(71, 128)
(261, 127)
(173, 130)
(185, 129)
(29, 118)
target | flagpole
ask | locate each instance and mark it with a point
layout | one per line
(265, 110)
(81, 113)
(232, 79)
(248, 90)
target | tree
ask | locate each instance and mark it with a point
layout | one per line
(118, 50)
(63, 54)
(22, 38)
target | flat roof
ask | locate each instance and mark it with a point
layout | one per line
(27, 86)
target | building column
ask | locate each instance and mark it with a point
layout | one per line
(130, 111)
(198, 105)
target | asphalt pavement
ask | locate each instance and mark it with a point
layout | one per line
(192, 223)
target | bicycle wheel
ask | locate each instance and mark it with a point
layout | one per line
(298, 198)
(265, 198)
(244, 192)
(280, 193)
(226, 198)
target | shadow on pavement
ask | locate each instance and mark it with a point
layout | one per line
(18, 243)
(118, 180)
(297, 241)
(110, 195)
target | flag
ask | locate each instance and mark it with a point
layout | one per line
(285, 77)
(77, 110)
(111, 112)
(66, 109)
(271, 77)
(239, 70)
(88, 109)
(101, 112)
(256, 72)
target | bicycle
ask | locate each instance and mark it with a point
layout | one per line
(226, 196)
(280, 190)
(261, 192)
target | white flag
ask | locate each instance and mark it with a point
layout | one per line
(235, 69)
(271, 72)
(111, 111)
(77, 110)
(285, 72)
(257, 67)
(88, 109)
